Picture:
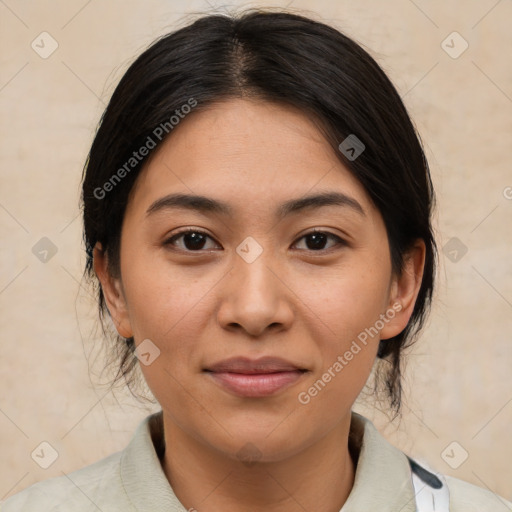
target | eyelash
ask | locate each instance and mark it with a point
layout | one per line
(340, 241)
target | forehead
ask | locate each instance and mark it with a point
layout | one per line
(250, 154)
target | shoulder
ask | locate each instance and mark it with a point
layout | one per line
(90, 488)
(466, 497)
(434, 487)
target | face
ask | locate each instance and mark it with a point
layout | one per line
(255, 279)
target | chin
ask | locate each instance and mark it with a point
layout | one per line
(264, 444)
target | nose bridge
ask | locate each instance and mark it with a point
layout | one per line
(254, 278)
(255, 297)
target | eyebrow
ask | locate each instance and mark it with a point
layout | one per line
(205, 204)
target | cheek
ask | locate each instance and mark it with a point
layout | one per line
(349, 300)
(168, 306)
(161, 295)
(346, 313)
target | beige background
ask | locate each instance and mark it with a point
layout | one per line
(458, 383)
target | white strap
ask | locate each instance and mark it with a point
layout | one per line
(428, 498)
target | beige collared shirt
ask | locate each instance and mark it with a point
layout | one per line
(133, 480)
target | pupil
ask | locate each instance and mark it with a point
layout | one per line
(318, 241)
(197, 240)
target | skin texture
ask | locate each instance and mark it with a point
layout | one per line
(306, 305)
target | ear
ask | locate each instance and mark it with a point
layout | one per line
(113, 293)
(404, 291)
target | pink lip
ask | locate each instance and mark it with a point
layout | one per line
(255, 377)
(256, 384)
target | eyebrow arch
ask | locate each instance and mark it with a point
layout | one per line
(206, 204)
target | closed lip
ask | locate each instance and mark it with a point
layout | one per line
(248, 366)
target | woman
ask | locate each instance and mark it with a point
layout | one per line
(257, 209)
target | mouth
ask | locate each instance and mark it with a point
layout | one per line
(255, 378)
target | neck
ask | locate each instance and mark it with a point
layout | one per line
(318, 478)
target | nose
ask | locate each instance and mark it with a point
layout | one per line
(255, 297)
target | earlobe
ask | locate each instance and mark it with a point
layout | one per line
(404, 291)
(113, 293)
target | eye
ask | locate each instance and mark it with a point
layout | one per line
(316, 239)
(193, 239)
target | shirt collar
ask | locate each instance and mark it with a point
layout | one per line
(143, 478)
(383, 476)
